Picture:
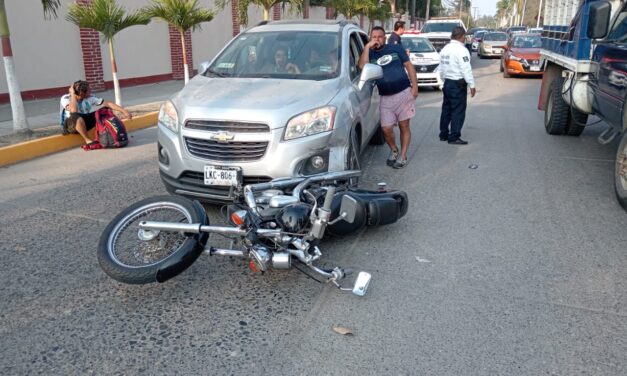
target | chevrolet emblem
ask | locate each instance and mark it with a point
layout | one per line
(222, 137)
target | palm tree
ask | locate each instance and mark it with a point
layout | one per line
(378, 12)
(109, 19)
(182, 15)
(350, 8)
(20, 124)
(243, 5)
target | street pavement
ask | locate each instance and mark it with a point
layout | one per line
(45, 112)
(510, 261)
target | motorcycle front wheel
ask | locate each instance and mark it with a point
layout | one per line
(132, 255)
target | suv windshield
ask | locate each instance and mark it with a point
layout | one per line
(531, 41)
(494, 36)
(417, 44)
(304, 55)
(440, 27)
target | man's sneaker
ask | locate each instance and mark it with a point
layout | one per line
(400, 163)
(392, 157)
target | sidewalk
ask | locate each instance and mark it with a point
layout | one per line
(142, 101)
(45, 112)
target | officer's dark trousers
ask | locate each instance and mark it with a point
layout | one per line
(453, 109)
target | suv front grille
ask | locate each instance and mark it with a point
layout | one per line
(229, 151)
(226, 126)
(439, 43)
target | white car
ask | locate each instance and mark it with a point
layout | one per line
(425, 59)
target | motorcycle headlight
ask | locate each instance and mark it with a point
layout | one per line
(168, 116)
(310, 123)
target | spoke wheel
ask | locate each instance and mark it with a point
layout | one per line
(130, 254)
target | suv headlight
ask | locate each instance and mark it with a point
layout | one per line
(310, 123)
(168, 116)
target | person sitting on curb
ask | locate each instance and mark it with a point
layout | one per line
(78, 112)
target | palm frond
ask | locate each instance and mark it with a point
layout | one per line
(50, 8)
(182, 14)
(105, 16)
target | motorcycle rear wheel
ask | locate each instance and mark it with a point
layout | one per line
(131, 255)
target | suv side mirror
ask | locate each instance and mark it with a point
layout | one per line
(369, 73)
(599, 19)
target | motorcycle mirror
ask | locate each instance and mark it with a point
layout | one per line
(348, 209)
(361, 283)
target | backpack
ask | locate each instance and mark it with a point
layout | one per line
(110, 130)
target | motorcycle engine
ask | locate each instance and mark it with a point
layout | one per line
(294, 218)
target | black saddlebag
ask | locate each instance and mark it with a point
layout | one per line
(373, 209)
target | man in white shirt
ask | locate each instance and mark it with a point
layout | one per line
(456, 72)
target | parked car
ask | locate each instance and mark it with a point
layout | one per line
(522, 56)
(492, 44)
(477, 38)
(516, 29)
(281, 99)
(470, 34)
(425, 59)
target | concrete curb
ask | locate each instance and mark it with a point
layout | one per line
(47, 145)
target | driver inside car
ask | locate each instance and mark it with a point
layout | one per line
(281, 64)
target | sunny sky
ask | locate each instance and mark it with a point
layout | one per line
(485, 7)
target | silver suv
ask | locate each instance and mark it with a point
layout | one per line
(281, 99)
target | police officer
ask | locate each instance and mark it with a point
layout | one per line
(395, 37)
(456, 72)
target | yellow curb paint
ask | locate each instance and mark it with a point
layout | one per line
(52, 144)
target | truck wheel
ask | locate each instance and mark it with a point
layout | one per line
(557, 110)
(620, 173)
(576, 123)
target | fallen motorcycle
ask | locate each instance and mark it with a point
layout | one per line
(275, 223)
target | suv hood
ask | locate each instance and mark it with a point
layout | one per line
(267, 100)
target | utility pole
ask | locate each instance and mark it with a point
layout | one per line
(539, 14)
(468, 18)
(475, 13)
(413, 13)
(427, 10)
(461, 3)
(522, 16)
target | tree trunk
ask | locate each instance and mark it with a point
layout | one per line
(20, 123)
(185, 67)
(266, 13)
(114, 73)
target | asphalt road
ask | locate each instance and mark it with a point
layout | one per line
(516, 267)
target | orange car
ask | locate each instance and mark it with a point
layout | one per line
(522, 56)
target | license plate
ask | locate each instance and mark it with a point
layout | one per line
(535, 69)
(222, 175)
(496, 50)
